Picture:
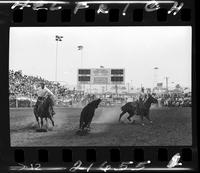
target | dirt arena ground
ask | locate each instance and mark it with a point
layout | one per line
(171, 126)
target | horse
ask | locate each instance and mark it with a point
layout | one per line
(43, 111)
(144, 107)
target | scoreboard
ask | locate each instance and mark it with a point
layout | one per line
(101, 76)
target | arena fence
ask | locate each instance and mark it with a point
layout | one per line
(28, 102)
(15, 103)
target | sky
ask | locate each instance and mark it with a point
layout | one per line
(136, 49)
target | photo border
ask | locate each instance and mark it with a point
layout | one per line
(9, 156)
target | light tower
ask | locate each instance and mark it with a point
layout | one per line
(57, 39)
(80, 47)
(155, 76)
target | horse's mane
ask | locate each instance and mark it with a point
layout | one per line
(147, 103)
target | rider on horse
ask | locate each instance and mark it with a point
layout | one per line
(140, 101)
(42, 93)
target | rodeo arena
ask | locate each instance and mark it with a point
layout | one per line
(103, 109)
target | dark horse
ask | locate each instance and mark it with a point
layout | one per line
(143, 108)
(42, 110)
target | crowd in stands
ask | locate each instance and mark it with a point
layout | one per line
(167, 100)
(23, 85)
(175, 100)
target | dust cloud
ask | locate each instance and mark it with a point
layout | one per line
(108, 115)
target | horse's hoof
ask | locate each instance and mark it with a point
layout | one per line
(41, 130)
(81, 132)
(88, 129)
(78, 132)
(129, 119)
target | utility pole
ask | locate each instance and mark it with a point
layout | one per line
(128, 87)
(116, 89)
(167, 79)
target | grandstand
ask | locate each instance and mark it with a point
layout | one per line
(22, 90)
(22, 93)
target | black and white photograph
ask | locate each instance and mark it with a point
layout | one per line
(100, 86)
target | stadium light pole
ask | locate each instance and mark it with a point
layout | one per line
(57, 39)
(128, 86)
(80, 47)
(155, 76)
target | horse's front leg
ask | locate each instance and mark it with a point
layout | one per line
(37, 119)
(41, 121)
(142, 119)
(148, 117)
(51, 121)
(47, 124)
(36, 116)
(120, 116)
(38, 122)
